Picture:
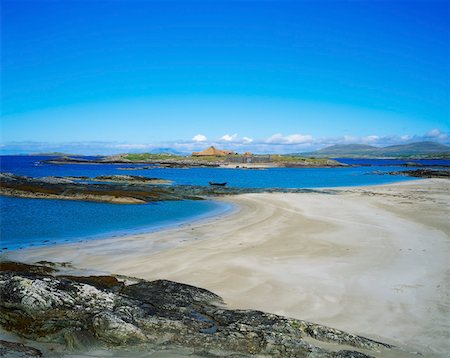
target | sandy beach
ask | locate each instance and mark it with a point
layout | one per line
(374, 261)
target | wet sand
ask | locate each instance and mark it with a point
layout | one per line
(373, 261)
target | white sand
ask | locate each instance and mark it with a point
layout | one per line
(374, 261)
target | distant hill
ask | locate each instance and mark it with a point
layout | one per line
(55, 154)
(166, 151)
(412, 150)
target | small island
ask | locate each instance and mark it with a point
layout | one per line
(210, 157)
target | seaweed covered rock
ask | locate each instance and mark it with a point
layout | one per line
(125, 190)
(424, 173)
(81, 312)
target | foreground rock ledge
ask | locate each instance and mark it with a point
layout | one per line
(101, 311)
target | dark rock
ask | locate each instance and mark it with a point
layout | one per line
(81, 312)
(100, 282)
(133, 179)
(348, 354)
(24, 268)
(80, 340)
(17, 350)
(128, 179)
(124, 193)
(55, 265)
(424, 173)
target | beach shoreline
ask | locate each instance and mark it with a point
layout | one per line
(219, 209)
(370, 260)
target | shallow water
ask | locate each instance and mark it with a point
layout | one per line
(32, 222)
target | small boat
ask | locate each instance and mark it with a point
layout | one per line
(217, 184)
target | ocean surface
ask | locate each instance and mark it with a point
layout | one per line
(34, 222)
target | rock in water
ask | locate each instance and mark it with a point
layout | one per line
(119, 189)
(424, 173)
(100, 310)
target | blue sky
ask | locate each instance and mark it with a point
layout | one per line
(267, 75)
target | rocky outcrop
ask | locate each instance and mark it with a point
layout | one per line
(62, 188)
(424, 173)
(325, 163)
(103, 311)
(116, 192)
(17, 350)
(126, 179)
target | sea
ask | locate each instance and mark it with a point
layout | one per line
(36, 222)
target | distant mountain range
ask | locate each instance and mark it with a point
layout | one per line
(412, 150)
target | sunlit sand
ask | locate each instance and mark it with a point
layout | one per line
(370, 260)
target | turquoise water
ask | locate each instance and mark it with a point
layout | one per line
(31, 222)
(34, 222)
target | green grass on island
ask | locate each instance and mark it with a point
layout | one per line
(151, 156)
(236, 158)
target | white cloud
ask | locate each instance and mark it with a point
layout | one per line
(278, 138)
(229, 138)
(298, 138)
(405, 137)
(371, 139)
(199, 138)
(348, 139)
(130, 146)
(277, 143)
(436, 134)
